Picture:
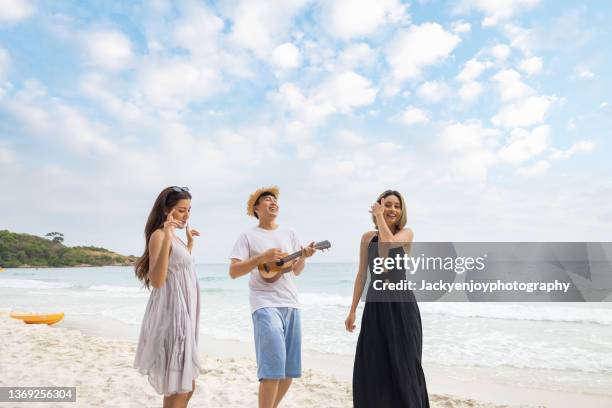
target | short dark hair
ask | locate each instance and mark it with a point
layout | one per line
(264, 194)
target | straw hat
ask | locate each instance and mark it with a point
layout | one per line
(256, 194)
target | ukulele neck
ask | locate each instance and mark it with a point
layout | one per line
(318, 245)
(291, 257)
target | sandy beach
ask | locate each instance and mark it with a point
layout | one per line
(474, 355)
(101, 369)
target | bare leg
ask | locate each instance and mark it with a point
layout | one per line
(283, 386)
(176, 401)
(190, 393)
(267, 393)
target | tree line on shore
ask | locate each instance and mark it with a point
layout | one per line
(25, 250)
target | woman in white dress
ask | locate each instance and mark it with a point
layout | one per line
(167, 349)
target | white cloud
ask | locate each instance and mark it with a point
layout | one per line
(472, 70)
(53, 121)
(572, 29)
(347, 90)
(308, 112)
(434, 91)
(584, 73)
(355, 55)
(61, 176)
(108, 49)
(387, 147)
(100, 89)
(346, 19)
(469, 91)
(534, 169)
(523, 145)
(339, 93)
(583, 146)
(510, 86)
(500, 52)
(300, 130)
(81, 134)
(360, 171)
(5, 63)
(176, 83)
(242, 145)
(413, 116)
(470, 88)
(199, 35)
(524, 113)
(306, 151)
(349, 138)
(421, 45)
(460, 26)
(32, 116)
(216, 113)
(463, 137)
(390, 87)
(497, 10)
(470, 150)
(571, 125)
(338, 167)
(320, 56)
(286, 56)
(198, 28)
(520, 38)
(531, 66)
(604, 105)
(260, 25)
(13, 11)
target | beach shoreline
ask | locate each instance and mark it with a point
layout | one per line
(101, 369)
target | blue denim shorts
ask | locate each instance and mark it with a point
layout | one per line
(278, 342)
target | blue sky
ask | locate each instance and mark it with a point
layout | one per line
(492, 117)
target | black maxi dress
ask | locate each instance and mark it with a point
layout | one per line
(387, 371)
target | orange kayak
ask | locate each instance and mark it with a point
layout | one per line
(35, 318)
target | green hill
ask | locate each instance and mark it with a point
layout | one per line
(23, 250)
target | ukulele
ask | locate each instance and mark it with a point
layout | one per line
(272, 271)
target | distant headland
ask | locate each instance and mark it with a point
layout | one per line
(31, 251)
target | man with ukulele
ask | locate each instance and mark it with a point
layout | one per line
(274, 306)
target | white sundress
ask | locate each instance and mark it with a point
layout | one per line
(167, 348)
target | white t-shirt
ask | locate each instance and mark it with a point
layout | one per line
(283, 292)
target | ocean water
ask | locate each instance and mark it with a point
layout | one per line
(562, 345)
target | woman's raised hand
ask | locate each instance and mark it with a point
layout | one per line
(377, 208)
(190, 234)
(171, 223)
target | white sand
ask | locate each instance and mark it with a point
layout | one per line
(101, 369)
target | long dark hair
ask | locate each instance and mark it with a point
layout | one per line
(163, 204)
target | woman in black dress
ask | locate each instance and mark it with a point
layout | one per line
(387, 371)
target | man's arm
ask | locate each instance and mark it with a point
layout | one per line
(240, 268)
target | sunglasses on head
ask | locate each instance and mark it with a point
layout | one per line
(180, 189)
(176, 189)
